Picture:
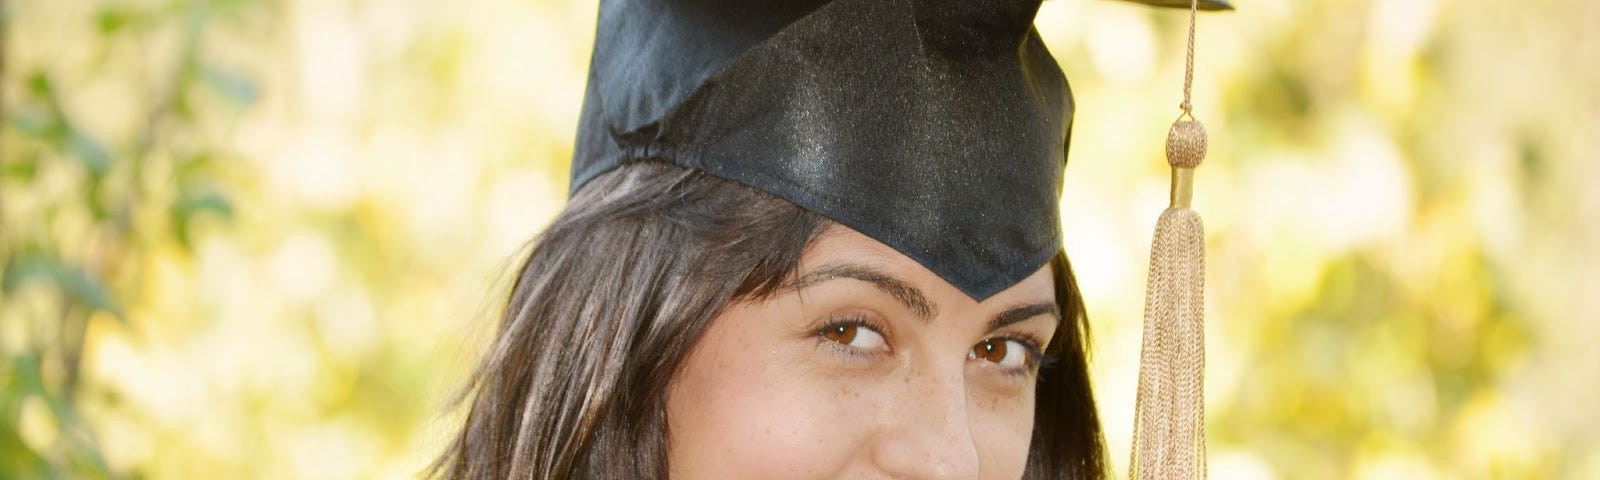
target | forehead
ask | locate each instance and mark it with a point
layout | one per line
(839, 244)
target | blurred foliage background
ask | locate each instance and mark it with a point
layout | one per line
(264, 238)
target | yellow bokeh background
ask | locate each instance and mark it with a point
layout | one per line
(266, 238)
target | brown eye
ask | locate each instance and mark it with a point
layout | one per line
(841, 333)
(856, 336)
(1007, 353)
(993, 350)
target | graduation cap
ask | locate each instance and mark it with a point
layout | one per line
(937, 127)
(1208, 5)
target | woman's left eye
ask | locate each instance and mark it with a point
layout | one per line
(855, 335)
(1003, 352)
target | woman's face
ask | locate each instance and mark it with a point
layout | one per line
(867, 366)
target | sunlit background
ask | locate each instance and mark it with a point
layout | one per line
(264, 238)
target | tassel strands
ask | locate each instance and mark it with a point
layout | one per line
(1169, 424)
(1169, 427)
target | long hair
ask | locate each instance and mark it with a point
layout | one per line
(618, 289)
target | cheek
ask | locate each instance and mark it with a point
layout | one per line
(1002, 432)
(740, 408)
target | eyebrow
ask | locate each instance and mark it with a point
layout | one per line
(910, 296)
(1024, 312)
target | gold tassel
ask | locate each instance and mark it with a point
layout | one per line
(1169, 429)
(1169, 426)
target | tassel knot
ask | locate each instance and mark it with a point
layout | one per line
(1186, 144)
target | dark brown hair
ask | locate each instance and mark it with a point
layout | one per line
(618, 289)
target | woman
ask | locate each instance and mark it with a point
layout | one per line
(810, 239)
(688, 340)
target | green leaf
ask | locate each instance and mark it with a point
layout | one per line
(76, 282)
(201, 202)
(39, 84)
(88, 291)
(16, 458)
(195, 204)
(23, 167)
(94, 155)
(90, 151)
(114, 19)
(26, 268)
(237, 88)
(28, 378)
(31, 122)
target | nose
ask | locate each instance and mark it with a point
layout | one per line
(928, 434)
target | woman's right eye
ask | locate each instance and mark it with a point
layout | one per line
(855, 335)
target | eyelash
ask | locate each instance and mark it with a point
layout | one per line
(851, 321)
(1037, 358)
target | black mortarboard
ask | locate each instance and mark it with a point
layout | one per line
(938, 127)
